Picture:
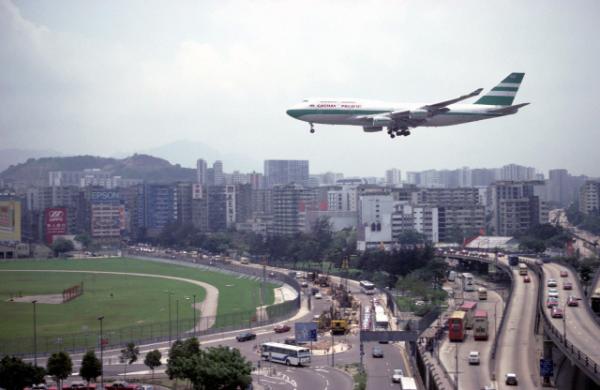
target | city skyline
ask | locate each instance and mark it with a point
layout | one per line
(180, 73)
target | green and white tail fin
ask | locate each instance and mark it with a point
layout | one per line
(504, 93)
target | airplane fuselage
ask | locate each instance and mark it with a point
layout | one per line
(352, 112)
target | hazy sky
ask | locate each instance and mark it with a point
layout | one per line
(113, 77)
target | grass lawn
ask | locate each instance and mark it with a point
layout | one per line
(135, 302)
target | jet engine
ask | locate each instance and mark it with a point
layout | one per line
(372, 129)
(418, 114)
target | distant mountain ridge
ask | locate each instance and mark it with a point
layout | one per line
(138, 166)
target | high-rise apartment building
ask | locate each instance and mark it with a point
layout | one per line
(201, 174)
(517, 206)
(282, 172)
(290, 203)
(589, 197)
(374, 220)
(219, 176)
(393, 177)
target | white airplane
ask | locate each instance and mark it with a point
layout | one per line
(398, 118)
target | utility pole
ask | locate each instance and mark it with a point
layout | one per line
(332, 351)
(177, 317)
(194, 315)
(34, 335)
(456, 368)
(169, 293)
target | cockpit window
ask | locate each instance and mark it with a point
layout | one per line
(305, 101)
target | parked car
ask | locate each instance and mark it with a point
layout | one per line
(282, 328)
(557, 312)
(572, 301)
(527, 279)
(290, 341)
(377, 352)
(398, 373)
(474, 358)
(318, 296)
(567, 286)
(564, 274)
(245, 336)
(511, 379)
(551, 283)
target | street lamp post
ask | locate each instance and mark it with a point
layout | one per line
(177, 316)
(193, 313)
(34, 335)
(101, 355)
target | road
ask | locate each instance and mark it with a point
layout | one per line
(519, 348)
(474, 376)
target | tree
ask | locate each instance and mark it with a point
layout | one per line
(91, 367)
(15, 374)
(179, 355)
(152, 360)
(60, 245)
(84, 239)
(129, 354)
(59, 366)
(219, 368)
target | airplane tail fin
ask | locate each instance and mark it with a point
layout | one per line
(504, 93)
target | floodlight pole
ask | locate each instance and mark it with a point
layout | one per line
(34, 335)
(101, 354)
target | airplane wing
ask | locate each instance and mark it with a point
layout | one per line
(436, 107)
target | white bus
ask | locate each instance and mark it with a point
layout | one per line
(290, 355)
(468, 283)
(381, 319)
(367, 287)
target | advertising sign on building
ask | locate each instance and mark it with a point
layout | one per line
(55, 220)
(10, 220)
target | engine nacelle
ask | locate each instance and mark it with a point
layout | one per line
(418, 114)
(380, 121)
(372, 129)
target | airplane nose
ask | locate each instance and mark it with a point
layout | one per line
(291, 112)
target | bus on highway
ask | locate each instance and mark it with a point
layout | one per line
(595, 301)
(522, 269)
(468, 282)
(469, 308)
(367, 287)
(480, 328)
(456, 326)
(366, 318)
(381, 319)
(291, 355)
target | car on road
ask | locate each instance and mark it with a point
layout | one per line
(553, 292)
(551, 302)
(304, 284)
(377, 352)
(527, 279)
(474, 358)
(557, 312)
(564, 274)
(567, 286)
(245, 336)
(511, 379)
(398, 373)
(572, 301)
(282, 328)
(551, 283)
(318, 296)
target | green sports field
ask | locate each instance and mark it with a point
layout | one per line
(128, 303)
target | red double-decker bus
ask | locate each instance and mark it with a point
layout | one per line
(481, 325)
(456, 326)
(469, 308)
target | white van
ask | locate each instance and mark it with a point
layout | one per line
(452, 276)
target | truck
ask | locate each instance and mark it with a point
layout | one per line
(407, 383)
(513, 260)
(339, 326)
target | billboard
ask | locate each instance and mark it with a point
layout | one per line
(104, 196)
(10, 220)
(55, 222)
(306, 331)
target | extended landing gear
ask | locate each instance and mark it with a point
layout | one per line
(312, 128)
(395, 132)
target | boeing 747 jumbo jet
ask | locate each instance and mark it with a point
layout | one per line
(398, 118)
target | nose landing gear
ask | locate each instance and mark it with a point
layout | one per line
(312, 128)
